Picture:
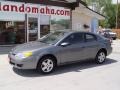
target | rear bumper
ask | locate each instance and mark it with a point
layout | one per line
(109, 51)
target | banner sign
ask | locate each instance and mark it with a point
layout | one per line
(32, 8)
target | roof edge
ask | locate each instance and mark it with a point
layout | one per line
(83, 3)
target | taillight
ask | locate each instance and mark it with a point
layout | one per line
(108, 41)
(111, 41)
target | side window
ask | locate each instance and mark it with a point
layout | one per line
(90, 37)
(74, 38)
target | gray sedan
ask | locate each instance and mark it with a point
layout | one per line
(59, 48)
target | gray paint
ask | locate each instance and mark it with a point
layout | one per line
(68, 54)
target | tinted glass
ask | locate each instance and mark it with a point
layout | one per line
(90, 37)
(12, 32)
(75, 38)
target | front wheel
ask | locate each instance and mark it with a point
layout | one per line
(46, 65)
(100, 57)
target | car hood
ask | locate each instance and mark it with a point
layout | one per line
(31, 46)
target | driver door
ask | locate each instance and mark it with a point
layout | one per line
(74, 50)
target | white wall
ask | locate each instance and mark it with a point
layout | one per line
(79, 19)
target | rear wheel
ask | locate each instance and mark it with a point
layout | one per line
(46, 65)
(100, 57)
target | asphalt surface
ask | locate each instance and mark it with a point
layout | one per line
(80, 76)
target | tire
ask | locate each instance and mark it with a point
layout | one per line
(100, 57)
(46, 65)
(114, 38)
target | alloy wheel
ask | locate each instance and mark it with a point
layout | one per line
(47, 65)
(100, 58)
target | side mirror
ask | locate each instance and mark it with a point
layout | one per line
(64, 44)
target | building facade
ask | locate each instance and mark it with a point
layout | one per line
(27, 20)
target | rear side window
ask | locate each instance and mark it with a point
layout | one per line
(74, 38)
(90, 37)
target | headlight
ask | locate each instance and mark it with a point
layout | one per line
(24, 54)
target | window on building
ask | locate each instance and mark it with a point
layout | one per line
(12, 32)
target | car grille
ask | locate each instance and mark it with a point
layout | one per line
(18, 65)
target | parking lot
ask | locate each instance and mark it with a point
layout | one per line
(80, 76)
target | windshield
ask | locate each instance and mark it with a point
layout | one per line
(52, 38)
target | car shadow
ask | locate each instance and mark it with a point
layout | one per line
(76, 67)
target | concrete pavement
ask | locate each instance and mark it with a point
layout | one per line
(80, 76)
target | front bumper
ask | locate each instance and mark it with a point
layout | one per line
(27, 63)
